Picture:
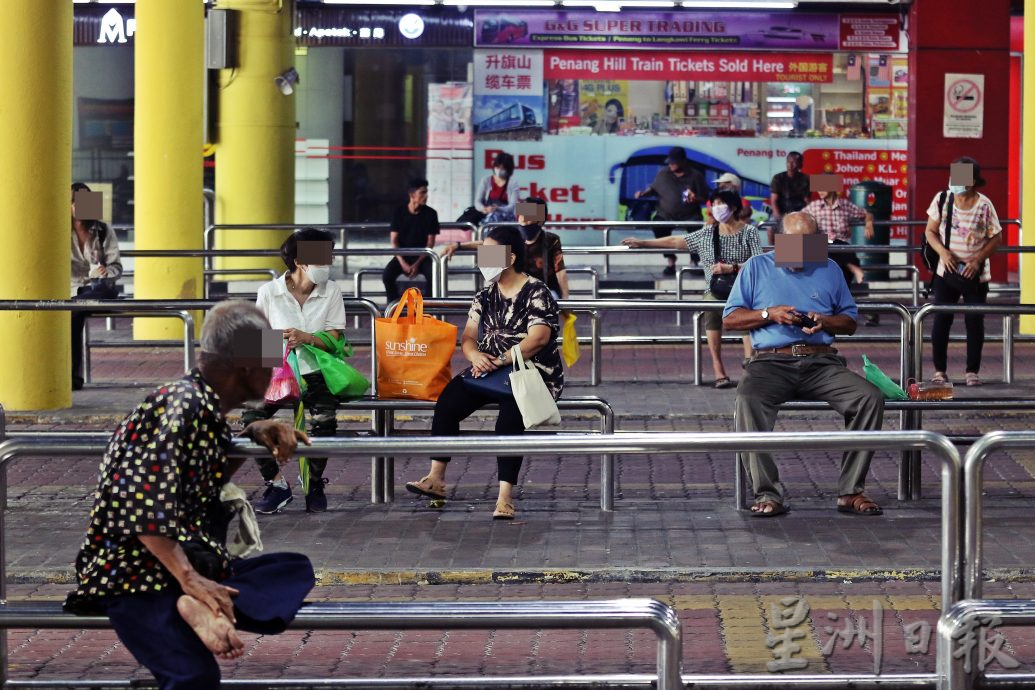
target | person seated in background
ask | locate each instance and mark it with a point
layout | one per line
(835, 216)
(498, 192)
(737, 242)
(794, 301)
(301, 302)
(544, 256)
(415, 224)
(96, 265)
(513, 309)
(155, 557)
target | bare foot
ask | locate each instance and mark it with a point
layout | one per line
(215, 631)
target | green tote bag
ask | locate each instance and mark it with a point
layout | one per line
(343, 380)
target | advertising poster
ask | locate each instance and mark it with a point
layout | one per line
(735, 30)
(595, 178)
(603, 105)
(449, 116)
(563, 111)
(508, 95)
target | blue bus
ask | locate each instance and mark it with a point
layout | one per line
(517, 116)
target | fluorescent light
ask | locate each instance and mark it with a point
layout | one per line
(501, 3)
(741, 4)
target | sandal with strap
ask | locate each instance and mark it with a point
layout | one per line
(504, 511)
(939, 377)
(973, 379)
(723, 382)
(427, 486)
(758, 510)
(858, 504)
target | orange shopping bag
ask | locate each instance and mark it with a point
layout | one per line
(413, 351)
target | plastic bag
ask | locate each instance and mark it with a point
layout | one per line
(283, 388)
(890, 389)
(342, 379)
(570, 345)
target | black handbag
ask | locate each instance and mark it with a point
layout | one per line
(720, 284)
(495, 384)
(98, 288)
(471, 215)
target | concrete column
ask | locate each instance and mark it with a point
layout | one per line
(255, 141)
(1027, 261)
(35, 201)
(168, 139)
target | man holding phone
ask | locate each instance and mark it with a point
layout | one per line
(794, 301)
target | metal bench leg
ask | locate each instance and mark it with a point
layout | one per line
(376, 463)
(388, 474)
(86, 350)
(906, 460)
(607, 464)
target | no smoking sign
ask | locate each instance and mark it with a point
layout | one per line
(964, 106)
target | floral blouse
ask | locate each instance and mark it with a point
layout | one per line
(161, 475)
(503, 323)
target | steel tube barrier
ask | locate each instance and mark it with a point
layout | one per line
(614, 614)
(188, 336)
(1008, 311)
(953, 664)
(170, 309)
(342, 228)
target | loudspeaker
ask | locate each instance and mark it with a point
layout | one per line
(221, 39)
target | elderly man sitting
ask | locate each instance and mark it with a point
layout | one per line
(155, 558)
(794, 301)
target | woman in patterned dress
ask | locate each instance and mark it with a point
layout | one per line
(514, 309)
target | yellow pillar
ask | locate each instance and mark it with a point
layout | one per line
(1027, 261)
(35, 198)
(255, 141)
(168, 140)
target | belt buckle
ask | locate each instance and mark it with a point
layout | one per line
(799, 350)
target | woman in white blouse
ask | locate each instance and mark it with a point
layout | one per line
(300, 303)
(95, 267)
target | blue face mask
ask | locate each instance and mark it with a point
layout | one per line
(958, 189)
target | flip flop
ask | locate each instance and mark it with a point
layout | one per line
(856, 503)
(778, 509)
(724, 382)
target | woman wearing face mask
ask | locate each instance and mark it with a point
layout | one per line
(738, 242)
(300, 303)
(514, 309)
(962, 272)
(498, 192)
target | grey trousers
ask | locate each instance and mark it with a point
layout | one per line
(772, 379)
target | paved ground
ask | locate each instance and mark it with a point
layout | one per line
(674, 535)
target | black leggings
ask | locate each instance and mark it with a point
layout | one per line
(946, 292)
(457, 403)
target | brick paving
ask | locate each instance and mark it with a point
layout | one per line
(674, 535)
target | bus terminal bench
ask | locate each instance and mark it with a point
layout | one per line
(912, 420)
(617, 614)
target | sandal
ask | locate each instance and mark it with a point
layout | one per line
(504, 511)
(724, 382)
(858, 504)
(427, 486)
(939, 377)
(973, 379)
(758, 510)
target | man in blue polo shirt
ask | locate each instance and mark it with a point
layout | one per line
(794, 301)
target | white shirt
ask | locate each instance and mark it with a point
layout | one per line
(322, 311)
(971, 229)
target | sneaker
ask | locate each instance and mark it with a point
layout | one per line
(873, 320)
(669, 271)
(316, 499)
(273, 499)
(77, 383)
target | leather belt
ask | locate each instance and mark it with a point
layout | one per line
(799, 350)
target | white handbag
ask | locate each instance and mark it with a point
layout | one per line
(531, 394)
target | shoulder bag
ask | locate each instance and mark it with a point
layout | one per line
(930, 256)
(342, 379)
(531, 394)
(720, 284)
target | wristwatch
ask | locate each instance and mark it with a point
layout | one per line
(765, 313)
(502, 359)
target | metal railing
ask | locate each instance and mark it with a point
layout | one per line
(963, 668)
(614, 614)
(173, 309)
(189, 357)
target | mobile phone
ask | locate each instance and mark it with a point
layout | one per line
(805, 321)
(960, 267)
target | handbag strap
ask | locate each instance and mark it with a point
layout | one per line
(337, 347)
(413, 301)
(947, 217)
(716, 244)
(517, 361)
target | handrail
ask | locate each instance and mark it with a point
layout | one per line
(973, 479)
(957, 669)
(177, 305)
(582, 444)
(189, 357)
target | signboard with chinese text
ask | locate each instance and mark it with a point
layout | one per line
(508, 94)
(685, 30)
(663, 66)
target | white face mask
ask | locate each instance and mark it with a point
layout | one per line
(958, 189)
(721, 212)
(319, 274)
(491, 274)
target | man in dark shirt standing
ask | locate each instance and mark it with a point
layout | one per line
(788, 191)
(414, 225)
(680, 190)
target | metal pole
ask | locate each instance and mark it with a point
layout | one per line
(915, 276)
(607, 257)
(388, 475)
(377, 467)
(1007, 348)
(87, 363)
(189, 359)
(697, 347)
(607, 460)
(596, 349)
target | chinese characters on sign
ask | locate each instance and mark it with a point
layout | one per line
(508, 94)
(787, 623)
